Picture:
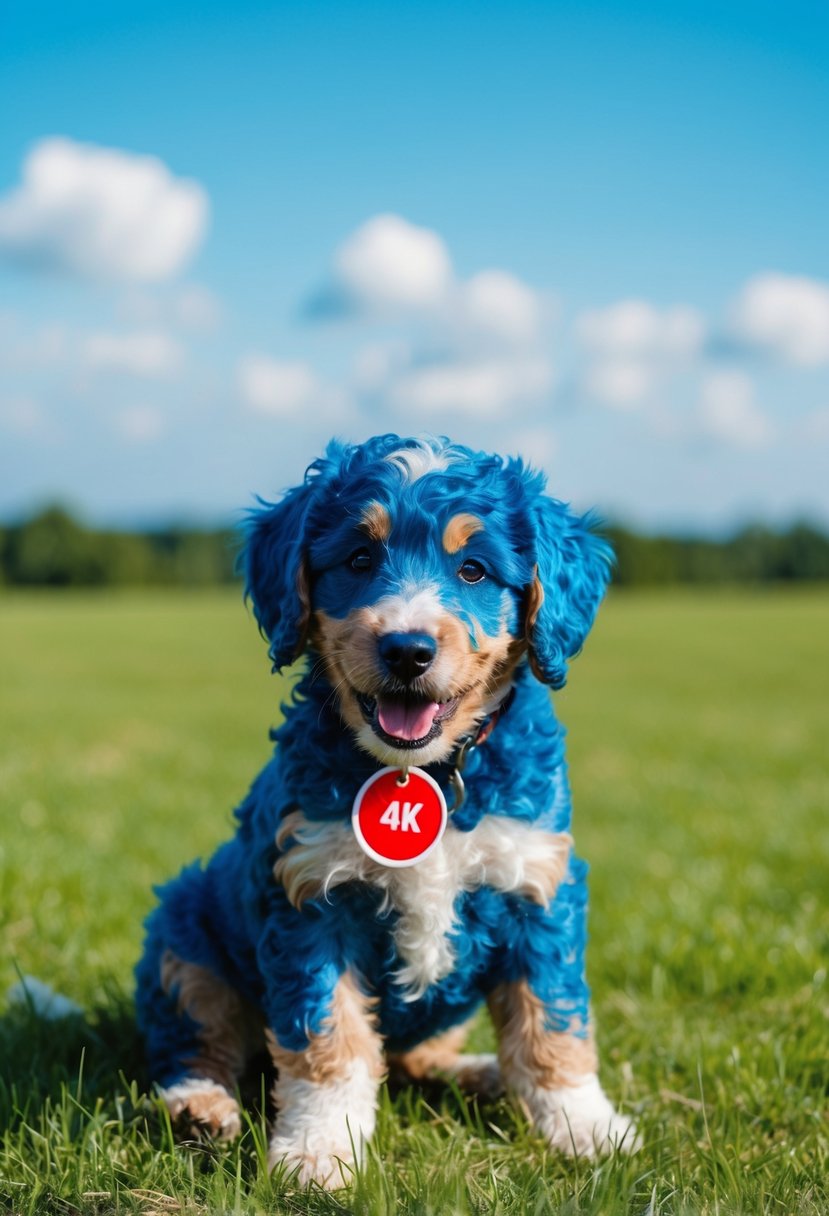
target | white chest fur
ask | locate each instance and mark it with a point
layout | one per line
(506, 854)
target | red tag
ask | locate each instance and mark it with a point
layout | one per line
(399, 818)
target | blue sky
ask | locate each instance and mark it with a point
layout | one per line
(592, 233)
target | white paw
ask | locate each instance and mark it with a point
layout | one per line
(579, 1120)
(321, 1129)
(206, 1106)
(303, 1164)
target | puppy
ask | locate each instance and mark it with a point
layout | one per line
(405, 856)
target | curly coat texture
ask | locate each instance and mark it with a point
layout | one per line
(428, 945)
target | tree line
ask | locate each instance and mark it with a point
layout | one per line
(54, 549)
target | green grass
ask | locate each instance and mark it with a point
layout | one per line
(131, 725)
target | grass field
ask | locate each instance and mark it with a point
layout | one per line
(699, 737)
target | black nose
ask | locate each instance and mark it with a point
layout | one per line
(407, 655)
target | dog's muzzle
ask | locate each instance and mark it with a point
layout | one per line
(400, 715)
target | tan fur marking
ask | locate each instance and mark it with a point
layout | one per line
(526, 1048)
(228, 1027)
(322, 855)
(210, 1110)
(544, 874)
(376, 522)
(297, 870)
(348, 647)
(433, 1056)
(459, 530)
(442, 1058)
(350, 1033)
(535, 598)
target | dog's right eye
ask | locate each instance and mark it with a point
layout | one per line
(360, 561)
(472, 571)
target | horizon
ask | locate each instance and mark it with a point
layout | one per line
(234, 524)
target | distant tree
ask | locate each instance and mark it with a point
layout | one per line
(805, 554)
(756, 554)
(195, 558)
(643, 560)
(53, 549)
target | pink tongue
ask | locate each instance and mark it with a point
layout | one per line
(406, 721)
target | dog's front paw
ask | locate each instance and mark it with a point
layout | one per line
(304, 1163)
(580, 1120)
(203, 1107)
(322, 1129)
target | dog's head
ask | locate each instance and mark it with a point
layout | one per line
(421, 573)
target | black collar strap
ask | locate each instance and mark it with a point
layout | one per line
(469, 744)
(488, 725)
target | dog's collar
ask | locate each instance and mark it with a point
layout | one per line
(468, 745)
(489, 723)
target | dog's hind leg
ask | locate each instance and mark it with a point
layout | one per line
(443, 1058)
(326, 1093)
(225, 1030)
(198, 1034)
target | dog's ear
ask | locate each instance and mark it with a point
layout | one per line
(276, 574)
(571, 575)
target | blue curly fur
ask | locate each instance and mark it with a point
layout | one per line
(231, 916)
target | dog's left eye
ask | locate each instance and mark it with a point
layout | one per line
(360, 560)
(472, 571)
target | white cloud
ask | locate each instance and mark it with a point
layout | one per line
(101, 213)
(191, 307)
(374, 365)
(632, 345)
(401, 378)
(474, 346)
(145, 353)
(141, 423)
(284, 389)
(474, 386)
(619, 382)
(727, 411)
(537, 445)
(494, 304)
(787, 315)
(636, 327)
(390, 270)
(388, 265)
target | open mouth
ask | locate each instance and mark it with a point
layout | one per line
(405, 721)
